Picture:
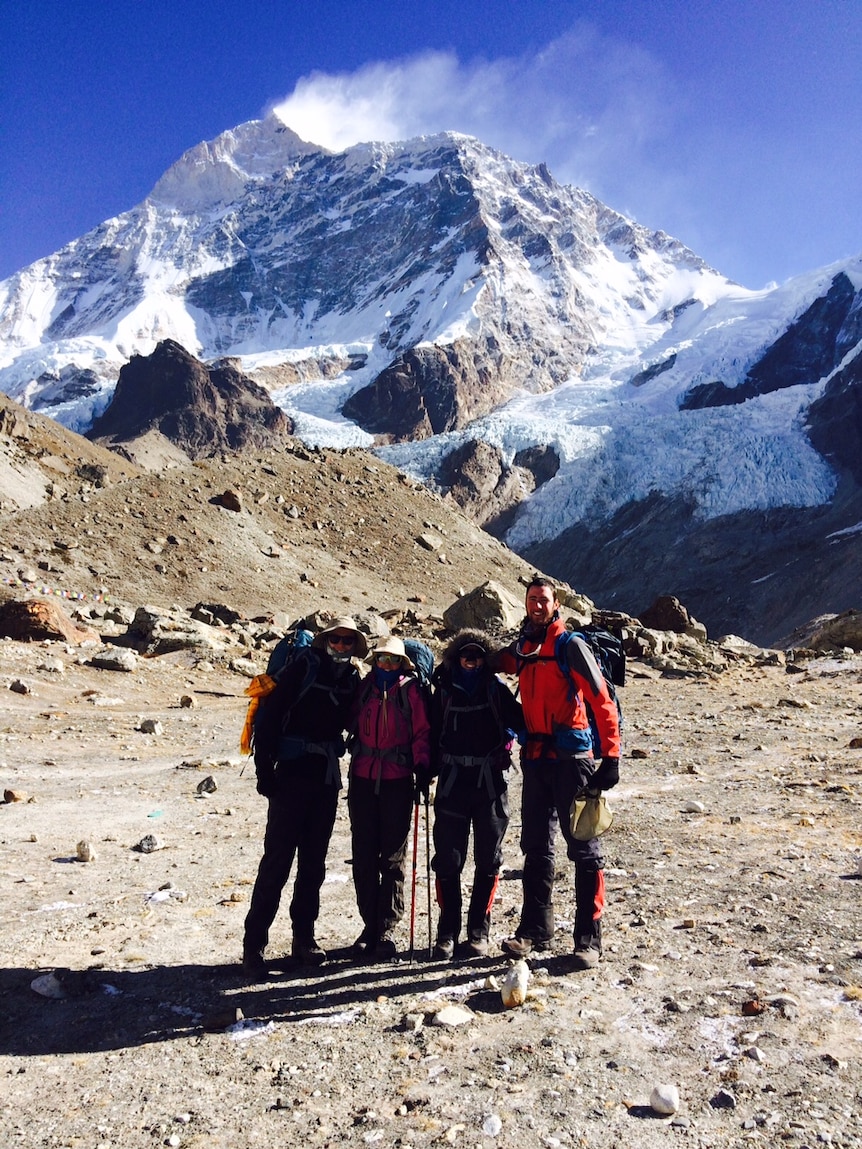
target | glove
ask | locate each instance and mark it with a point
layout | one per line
(607, 775)
(424, 782)
(266, 780)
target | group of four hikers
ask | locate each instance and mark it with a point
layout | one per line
(399, 741)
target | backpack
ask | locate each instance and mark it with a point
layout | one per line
(282, 656)
(422, 658)
(296, 639)
(443, 683)
(610, 656)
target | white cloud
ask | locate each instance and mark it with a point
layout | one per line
(588, 106)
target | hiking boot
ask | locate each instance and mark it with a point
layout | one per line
(589, 904)
(444, 949)
(385, 948)
(253, 965)
(363, 946)
(307, 951)
(473, 948)
(519, 947)
(585, 959)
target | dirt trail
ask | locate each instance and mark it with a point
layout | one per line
(732, 966)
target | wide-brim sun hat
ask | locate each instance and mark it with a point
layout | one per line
(360, 647)
(393, 645)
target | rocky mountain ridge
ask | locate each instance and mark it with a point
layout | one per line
(586, 388)
(200, 410)
(391, 253)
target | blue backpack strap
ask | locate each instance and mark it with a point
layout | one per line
(562, 641)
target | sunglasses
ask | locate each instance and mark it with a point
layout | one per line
(388, 659)
(472, 656)
(342, 639)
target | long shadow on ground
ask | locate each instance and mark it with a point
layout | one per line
(102, 1009)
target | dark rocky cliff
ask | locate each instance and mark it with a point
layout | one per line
(200, 409)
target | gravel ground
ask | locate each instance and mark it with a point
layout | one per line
(733, 933)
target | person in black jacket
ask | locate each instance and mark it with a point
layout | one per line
(299, 739)
(473, 718)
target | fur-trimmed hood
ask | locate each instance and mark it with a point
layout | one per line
(464, 638)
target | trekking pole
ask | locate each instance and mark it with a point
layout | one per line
(413, 879)
(427, 868)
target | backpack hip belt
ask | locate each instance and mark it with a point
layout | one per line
(465, 759)
(332, 752)
(566, 743)
(396, 754)
(470, 762)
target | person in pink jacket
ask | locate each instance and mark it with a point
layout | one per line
(391, 746)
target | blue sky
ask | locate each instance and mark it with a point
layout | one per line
(734, 125)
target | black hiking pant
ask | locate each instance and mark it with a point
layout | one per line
(463, 802)
(380, 832)
(299, 824)
(549, 788)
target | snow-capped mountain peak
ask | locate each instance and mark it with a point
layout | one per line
(433, 293)
(219, 171)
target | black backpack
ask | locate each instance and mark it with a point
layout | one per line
(608, 652)
(297, 641)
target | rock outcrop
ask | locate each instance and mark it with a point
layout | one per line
(40, 620)
(432, 389)
(476, 478)
(830, 633)
(200, 409)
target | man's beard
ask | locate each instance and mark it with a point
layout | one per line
(536, 631)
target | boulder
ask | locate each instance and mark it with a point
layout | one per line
(212, 612)
(155, 631)
(231, 500)
(121, 660)
(843, 630)
(37, 620)
(486, 607)
(668, 613)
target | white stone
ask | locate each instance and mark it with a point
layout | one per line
(47, 985)
(693, 807)
(492, 1126)
(664, 1099)
(122, 660)
(453, 1015)
(85, 852)
(513, 989)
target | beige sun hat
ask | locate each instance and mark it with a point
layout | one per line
(393, 645)
(360, 648)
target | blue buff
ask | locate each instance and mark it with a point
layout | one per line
(386, 679)
(467, 679)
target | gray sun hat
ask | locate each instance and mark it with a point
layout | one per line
(360, 647)
(393, 645)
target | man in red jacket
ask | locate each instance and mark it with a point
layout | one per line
(558, 765)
